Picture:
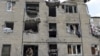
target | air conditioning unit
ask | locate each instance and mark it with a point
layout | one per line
(7, 30)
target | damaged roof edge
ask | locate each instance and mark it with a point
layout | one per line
(95, 17)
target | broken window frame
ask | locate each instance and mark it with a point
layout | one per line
(53, 50)
(12, 25)
(73, 28)
(6, 50)
(33, 27)
(52, 30)
(74, 49)
(10, 5)
(32, 9)
(8, 27)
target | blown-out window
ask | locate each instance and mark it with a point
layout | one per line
(8, 27)
(32, 8)
(73, 29)
(31, 27)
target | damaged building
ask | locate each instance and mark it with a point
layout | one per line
(48, 28)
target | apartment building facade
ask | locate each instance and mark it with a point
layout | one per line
(46, 28)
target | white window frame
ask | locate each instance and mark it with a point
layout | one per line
(72, 45)
(9, 5)
(72, 6)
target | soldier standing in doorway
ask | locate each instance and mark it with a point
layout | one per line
(29, 52)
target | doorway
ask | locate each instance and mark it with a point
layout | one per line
(30, 50)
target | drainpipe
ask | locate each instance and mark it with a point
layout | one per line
(81, 34)
(23, 32)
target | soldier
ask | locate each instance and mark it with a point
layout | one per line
(29, 52)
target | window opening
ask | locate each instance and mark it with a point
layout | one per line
(73, 29)
(75, 9)
(74, 49)
(32, 9)
(69, 49)
(52, 30)
(31, 26)
(52, 11)
(30, 50)
(53, 50)
(8, 27)
(78, 49)
(70, 8)
(10, 5)
(6, 50)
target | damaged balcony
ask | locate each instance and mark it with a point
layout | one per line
(53, 3)
(32, 19)
(31, 30)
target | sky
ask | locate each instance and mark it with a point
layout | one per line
(93, 7)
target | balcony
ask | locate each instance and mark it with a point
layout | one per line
(53, 3)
